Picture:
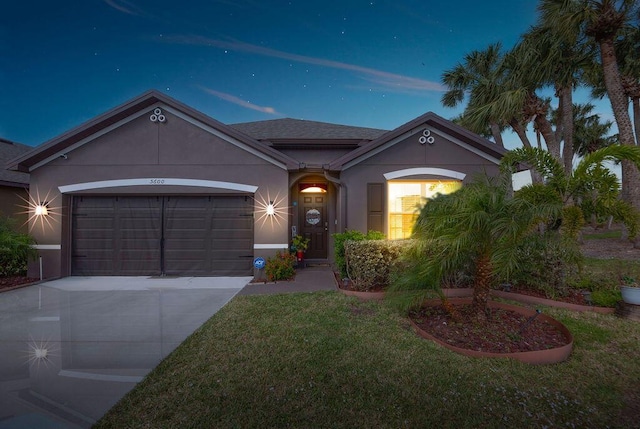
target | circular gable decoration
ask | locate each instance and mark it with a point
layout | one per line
(426, 137)
(157, 115)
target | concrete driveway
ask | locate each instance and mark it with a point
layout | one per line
(71, 348)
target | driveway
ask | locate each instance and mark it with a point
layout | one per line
(71, 348)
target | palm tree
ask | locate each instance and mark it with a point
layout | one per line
(600, 22)
(476, 76)
(590, 186)
(590, 133)
(627, 48)
(479, 226)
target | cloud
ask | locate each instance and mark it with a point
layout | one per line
(124, 6)
(392, 81)
(240, 102)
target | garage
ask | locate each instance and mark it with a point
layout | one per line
(155, 235)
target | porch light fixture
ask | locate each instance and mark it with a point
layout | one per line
(271, 209)
(313, 188)
(41, 209)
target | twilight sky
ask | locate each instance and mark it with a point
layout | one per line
(371, 63)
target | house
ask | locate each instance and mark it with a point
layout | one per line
(14, 185)
(155, 187)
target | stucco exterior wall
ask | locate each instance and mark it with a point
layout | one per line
(157, 153)
(408, 154)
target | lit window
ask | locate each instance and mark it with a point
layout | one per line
(406, 198)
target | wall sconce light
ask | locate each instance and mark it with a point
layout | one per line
(271, 209)
(41, 209)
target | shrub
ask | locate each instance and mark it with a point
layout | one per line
(280, 267)
(339, 240)
(606, 298)
(549, 263)
(369, 263)
(15, 249)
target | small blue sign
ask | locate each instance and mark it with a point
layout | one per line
(259, 263)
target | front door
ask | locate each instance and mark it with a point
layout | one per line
(314, 224)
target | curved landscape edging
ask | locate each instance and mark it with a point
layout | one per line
(365, 296)
(467, 292)
(538, 357)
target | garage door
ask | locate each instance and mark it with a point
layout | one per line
(153, 235)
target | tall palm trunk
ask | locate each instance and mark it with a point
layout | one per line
(636, 116)
(619, 105)
(631, 86)
(497, 136)
(566, 100)
(519, 130)
(482, 284)
(543, 124)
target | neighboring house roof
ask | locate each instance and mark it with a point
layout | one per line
(60, 144)
(431, 119)
(10, 150)
(287, 129)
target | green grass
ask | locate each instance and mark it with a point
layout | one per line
(327, 360)
(602, 235)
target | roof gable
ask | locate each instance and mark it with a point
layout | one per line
(133, 108)
(454, 132)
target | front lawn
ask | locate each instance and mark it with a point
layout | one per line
(327, 360)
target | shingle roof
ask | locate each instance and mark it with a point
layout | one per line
(287, 128)
(8, 151)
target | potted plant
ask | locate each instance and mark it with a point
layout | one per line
(630, 290)
(300, 245)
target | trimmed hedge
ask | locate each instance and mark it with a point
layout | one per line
(369, 263)
(340, 238)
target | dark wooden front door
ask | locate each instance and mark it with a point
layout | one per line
(314, 224)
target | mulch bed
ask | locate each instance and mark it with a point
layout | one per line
(571, 296)
(13, 281)
(503, 331)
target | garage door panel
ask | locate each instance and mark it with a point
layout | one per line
(176, 236)
(184, 245)
(116, 235)
(94, 222)
(226, 244)
(95, 266)
(134, 235)
(226, 268)
(94, 244)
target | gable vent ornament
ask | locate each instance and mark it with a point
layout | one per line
(157, 116)
(426, 137)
